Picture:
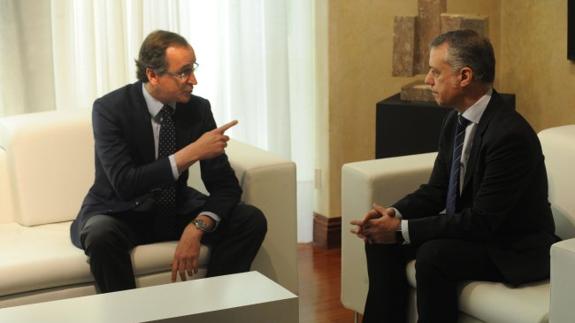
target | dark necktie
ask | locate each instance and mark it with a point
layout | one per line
(166, 200)
(453, 190)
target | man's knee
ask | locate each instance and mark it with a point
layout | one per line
(259, 220)
(253, 218)
(101, 233)
(428, 259)
(432, 257)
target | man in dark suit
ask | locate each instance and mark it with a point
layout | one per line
(147, 135)
(484, 213)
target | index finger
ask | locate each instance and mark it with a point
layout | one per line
(372, 214)
(174, 270)
(182, 271)
(356, 222)
(379, 208)
(227, 126)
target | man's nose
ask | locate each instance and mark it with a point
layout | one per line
(428, 78)
(192, 79)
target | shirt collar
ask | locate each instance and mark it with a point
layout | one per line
(154, 106)
(475, 111)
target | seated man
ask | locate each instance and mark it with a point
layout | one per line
(147, 134)
(483, 215)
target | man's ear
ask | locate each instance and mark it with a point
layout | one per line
(466, 76)
(152, 76)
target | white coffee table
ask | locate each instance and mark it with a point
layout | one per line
(246, 297)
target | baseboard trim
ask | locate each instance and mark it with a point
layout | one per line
(326, 231)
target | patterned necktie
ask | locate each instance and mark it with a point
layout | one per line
(453, 189)
(166, 200)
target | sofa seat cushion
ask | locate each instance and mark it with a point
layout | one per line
(33, 258)
(526, 303)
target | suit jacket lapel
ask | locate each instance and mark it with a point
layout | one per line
(478, 138)
(183, 129)
(143, 124)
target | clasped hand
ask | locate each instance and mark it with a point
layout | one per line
(377, 226)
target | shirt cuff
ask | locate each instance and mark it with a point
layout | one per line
(405, 231)
(214, 217)
(174, 166)
(404, 226)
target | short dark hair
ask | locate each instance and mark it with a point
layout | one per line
(153, 52)
(468, 48)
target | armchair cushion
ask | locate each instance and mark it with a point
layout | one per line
(41, 257)
(527, 303)
(384, 181)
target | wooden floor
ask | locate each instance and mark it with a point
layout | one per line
(319, 286)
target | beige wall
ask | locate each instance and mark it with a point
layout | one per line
(529, 37)
(534, 64)
(359, 49)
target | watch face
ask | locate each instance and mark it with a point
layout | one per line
(200, 224)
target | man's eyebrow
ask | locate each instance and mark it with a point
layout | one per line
(187, 67)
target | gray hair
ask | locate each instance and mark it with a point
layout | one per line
(468, 49)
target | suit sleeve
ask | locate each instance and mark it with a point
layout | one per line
(506, 168)
(219, 178)
(115, 154)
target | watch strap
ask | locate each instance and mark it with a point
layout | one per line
(202, 225)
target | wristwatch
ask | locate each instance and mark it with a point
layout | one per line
(201, 225)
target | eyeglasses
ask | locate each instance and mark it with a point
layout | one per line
(184, 74)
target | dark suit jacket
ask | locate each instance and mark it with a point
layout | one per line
(127, 174)
(504, 197)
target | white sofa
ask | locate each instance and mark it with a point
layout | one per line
(386, 180)
(46, 168)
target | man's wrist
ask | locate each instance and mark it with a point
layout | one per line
(186, 157)
(192, 231)
(204, 224)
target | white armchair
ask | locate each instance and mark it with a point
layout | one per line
(386, 180)
(46, 168)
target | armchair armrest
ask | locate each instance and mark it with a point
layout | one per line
(6, 204)
(562, 281)
(269, 183)
(383, 181)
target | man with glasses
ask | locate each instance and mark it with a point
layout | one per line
(484, 213)
(147, 134)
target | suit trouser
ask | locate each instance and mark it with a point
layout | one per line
(439, 265)
(108, 242)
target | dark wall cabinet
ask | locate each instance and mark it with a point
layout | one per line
(406, 127)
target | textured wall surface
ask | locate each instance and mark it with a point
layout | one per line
(360, 55)
(534, 62)
(529, 37)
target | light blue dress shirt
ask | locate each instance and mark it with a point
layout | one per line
(154, 107)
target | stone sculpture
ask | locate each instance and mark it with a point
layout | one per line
(412, 36)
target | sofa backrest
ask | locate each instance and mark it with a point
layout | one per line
(6, 214)
(49, 164)
(559, 149)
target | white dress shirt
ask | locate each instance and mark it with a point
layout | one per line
(473, 114)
